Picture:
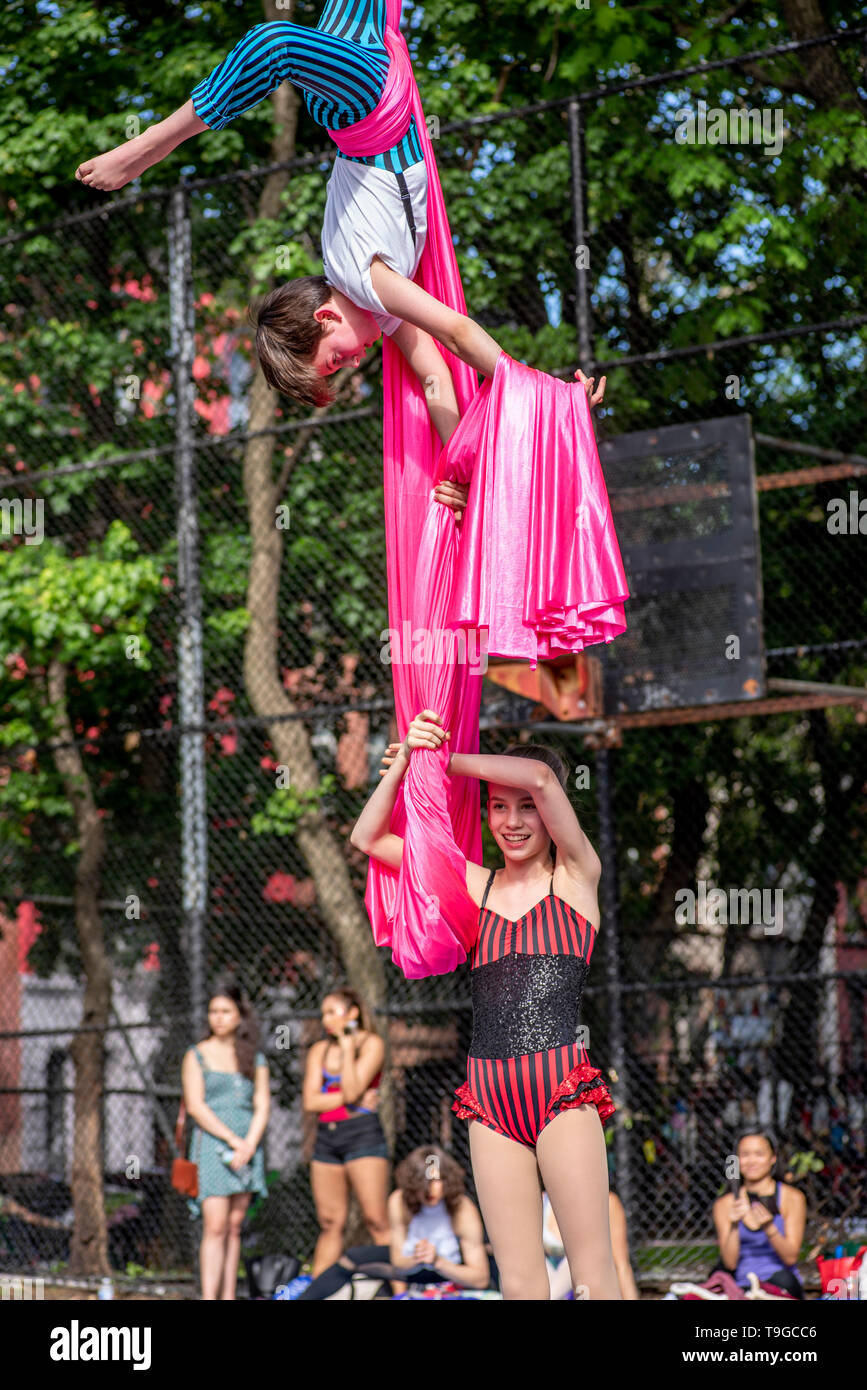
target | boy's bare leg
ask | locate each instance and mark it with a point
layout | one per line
(125, 162)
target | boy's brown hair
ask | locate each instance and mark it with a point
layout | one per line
(287, 336)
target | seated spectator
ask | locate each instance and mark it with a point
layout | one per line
(558, 1266)
(760, 1230)
(436, 1233)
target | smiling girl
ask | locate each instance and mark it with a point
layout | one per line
(761, 1229)
(534, 1102)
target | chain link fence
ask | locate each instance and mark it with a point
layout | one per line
(211, 667)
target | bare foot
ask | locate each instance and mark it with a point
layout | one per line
(116, 168)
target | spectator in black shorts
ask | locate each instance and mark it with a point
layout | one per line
(341, 1086)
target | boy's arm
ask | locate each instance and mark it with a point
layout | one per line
(406, 300)
(432, 370)
(267, 55)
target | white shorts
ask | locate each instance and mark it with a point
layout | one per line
(365, 217)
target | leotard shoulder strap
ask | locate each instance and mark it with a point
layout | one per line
(488, 887)
(491, 879)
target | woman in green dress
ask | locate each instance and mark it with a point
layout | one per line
(227, 1095)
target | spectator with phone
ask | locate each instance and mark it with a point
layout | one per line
(341, 1086)
(760, 1221)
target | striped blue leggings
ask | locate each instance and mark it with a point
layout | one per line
(340, 68)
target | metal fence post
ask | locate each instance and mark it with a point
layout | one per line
(611, 937)
(582, 249)
(191, 697)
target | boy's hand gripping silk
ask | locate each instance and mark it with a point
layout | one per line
(536, 569)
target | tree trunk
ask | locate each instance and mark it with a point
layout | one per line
(336, 898)
(828, 81)
(89, 1248)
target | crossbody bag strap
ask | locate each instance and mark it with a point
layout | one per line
(179, 1128)
(182, 1112)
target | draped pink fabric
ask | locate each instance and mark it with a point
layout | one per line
(539, 564)
(533, 571)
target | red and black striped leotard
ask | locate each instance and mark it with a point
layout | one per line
(526, 1063)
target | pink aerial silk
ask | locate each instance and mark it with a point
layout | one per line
(533, 571)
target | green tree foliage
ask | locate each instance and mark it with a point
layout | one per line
(89, 612)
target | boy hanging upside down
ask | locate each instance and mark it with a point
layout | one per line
(376, 214)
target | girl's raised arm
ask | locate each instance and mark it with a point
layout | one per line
(370, 833)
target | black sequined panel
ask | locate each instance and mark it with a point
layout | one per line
(526, 1003)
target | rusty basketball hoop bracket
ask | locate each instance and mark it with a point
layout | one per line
(570, 686)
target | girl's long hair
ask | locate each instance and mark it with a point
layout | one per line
(413, 1175)
(247, 1032)
(542, 754)
(350, 997)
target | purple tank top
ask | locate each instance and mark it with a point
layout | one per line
(757, 1255)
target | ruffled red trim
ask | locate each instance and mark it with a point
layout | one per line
(466, 1107)
(573, 1091)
